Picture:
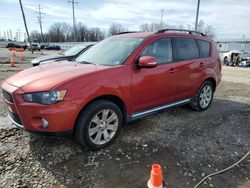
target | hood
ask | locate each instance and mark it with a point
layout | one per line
(48, 57)
(48, 76)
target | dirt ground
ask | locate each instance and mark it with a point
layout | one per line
(188, 145)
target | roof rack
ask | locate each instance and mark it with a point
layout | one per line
(127, 32)
(180, 30)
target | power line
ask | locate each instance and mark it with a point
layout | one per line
(39, 18)
(73, 2)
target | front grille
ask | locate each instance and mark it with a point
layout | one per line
(15, 117)
(8, 96)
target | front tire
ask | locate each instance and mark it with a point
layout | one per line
(98, 125)
(204, 96)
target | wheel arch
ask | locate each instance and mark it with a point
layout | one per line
(213, 81)
(112, 98)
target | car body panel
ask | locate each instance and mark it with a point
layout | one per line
(150, 84)
(39, 78)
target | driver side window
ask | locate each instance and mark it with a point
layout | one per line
(160, 49)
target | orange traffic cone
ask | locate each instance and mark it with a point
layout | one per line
(12, 63)
(155, 177)
(22, 57)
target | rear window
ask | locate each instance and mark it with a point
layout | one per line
(205, 48)
(185, 49)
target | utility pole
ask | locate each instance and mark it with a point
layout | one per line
(161, 23)
(25, 24)
(73, 2)
(197, 15)
(39, 17)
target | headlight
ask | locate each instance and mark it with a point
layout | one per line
(48, 97)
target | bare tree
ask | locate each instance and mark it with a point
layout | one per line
(116, 28)
(206, 29)
(36, 35)
(95, 34)
(81, 32)
(58, 32)
(201, 26)
(63, 32)
(209, 31)
(153, 27)
(149, 27)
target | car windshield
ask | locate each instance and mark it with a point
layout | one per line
(112, 51)
(73, 50)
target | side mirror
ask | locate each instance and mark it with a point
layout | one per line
(147, 62)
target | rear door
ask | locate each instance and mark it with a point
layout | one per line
(205, 54)
(188, 67)
(154, 86)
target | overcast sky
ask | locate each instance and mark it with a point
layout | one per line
(230, 18)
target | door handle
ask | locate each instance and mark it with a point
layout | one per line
(201, 64)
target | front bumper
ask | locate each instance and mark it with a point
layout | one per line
(60, 116)
(15, 119)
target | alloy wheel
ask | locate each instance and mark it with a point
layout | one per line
(103, 126)
(206, 96)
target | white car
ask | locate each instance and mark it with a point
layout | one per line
(228, 57)
(35, 46)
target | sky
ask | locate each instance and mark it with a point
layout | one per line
(229, 18)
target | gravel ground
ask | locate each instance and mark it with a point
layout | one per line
(188, 145)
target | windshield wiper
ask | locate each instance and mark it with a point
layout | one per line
(86, 62)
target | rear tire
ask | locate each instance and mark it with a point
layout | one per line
(204, 96)
(98, 125)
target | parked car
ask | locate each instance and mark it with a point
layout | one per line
(44, 45)
(69, 55)
(232, 58)
(118, 80)
(35, 46)
(52, 47)
(245, 59)
(14, 45)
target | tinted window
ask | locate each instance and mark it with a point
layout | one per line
(185, 49)
(160, 49)
(204, 48)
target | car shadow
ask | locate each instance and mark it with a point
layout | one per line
(186, 143)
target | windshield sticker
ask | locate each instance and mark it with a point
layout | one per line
(116, 62)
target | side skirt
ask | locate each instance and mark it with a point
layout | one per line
(154, 110)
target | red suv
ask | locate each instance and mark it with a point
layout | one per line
(120, 79)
